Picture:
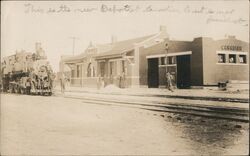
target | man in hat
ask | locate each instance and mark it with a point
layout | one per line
(169, 78)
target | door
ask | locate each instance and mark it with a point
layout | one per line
(153, 73)
(183, 71)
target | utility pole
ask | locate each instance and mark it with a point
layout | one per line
(74, 38)
(166, 47)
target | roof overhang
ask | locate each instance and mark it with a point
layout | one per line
(114, 55)
(108, 56)
(73, 61)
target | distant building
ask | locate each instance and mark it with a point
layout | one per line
(142, 62)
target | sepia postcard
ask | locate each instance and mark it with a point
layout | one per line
(124, 78)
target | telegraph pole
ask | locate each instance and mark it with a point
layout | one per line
(166, 48)
(74, 38)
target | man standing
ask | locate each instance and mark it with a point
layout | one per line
(62, 82)
(169, 78)
(28, 86)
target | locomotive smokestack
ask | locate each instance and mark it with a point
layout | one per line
(113, 39)
(40, 52)
(38, 46)
(163, 28)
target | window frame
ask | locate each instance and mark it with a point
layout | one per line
(78, 71)
(234, 61)
(89, 70)
(244, 59)
(162, 60)
(224, 58)
(237, 54)
(171, 60)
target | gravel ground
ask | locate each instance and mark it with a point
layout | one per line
(35, 125)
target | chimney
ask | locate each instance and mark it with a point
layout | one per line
(113, 39)
(90, 44)
(38, 46)
(163, 28)
(231, 37)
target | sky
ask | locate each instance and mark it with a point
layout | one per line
(23, 23)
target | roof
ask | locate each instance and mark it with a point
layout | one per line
(122, 46)
(110, 49)
(68, 59)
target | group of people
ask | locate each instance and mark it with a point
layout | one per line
(121, 79)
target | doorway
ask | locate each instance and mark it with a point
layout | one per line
(153, 73)
(183, 71)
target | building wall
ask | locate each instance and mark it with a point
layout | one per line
(205, 69)
(79, 77)
(117, 71)
(173, 46)
(215, 72)
(196, 63)
(89, 79)
(143, 64)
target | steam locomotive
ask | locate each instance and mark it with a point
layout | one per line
(27, 73)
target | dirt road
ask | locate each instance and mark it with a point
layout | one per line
(35, 125)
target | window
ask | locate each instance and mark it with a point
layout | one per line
(221, 58)
(72, 73)
(93, 71)
(89, 70)
(163, 61)
(77, 71)
(232, 58)
(123, 66)
(242, 59)
(111, 64)
(102, 68)
(171, 60)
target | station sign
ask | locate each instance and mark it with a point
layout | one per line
(231, 48)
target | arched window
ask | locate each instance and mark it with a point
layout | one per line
(90, 70)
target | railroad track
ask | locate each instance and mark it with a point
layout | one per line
(227, 113)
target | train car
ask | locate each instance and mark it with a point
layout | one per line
(27, 73)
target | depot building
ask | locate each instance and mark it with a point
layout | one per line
(144, 61)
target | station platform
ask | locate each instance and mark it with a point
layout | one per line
(210, 94)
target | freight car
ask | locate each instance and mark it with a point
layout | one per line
(27, 73)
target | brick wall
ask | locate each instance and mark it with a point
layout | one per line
(214, 72)
(196, 63)
(173, 46)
